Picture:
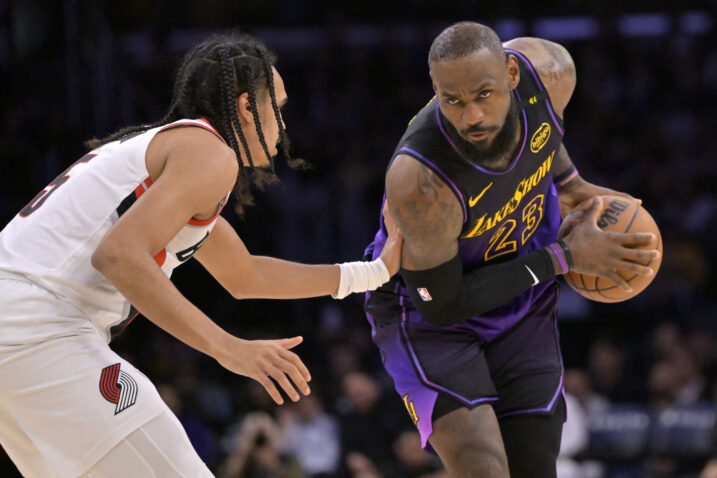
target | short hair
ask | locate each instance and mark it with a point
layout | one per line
(463, 38)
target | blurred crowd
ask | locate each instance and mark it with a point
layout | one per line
(641, 376)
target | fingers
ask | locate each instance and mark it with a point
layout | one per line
(636, 268)
(279, 376)
(281, 363)
(594, 210)
(289, 343)
(269, 386)
(278, 371)
(641, 256)
(617, 279)
(633, 239)
(296, 362)
(290, 368)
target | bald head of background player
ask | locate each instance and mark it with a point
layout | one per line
(446, 179)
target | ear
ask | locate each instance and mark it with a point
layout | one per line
(512, 71)
(433, 83)
(244, 109)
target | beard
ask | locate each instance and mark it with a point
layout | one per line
(503, 143)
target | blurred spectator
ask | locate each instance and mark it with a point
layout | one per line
(361, 466)
(412, 461)
(579, 385)
(663, 385)
(311, 435)
(608, 372)
(255, 451)
(370, 421)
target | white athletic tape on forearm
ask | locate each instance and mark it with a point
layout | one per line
(361, 276)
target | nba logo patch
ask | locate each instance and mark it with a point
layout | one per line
(423, 292)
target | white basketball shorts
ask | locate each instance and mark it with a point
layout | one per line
(67, 401)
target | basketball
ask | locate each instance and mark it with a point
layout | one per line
(619, 214)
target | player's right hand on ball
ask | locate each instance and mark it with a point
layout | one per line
(264, 360)
(603, 253)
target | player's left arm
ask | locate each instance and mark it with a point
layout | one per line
(245, 276)
(556, 69)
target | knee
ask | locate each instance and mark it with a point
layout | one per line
(477, 459)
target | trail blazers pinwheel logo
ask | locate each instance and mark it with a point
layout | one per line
(118, 387)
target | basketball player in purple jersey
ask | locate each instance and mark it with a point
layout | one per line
(477, 185)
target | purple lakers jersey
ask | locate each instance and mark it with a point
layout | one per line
(507, 213)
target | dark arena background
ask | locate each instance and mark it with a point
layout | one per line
(641, 376)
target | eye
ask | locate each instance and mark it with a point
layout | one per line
(485, 93)
(452, 101)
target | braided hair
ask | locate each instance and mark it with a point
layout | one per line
(210, 79)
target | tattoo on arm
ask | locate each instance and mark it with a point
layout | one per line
(427, 184)
(557, 66)
(430, 219)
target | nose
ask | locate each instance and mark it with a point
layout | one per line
(473, 114)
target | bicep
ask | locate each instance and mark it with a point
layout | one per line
(427, 212)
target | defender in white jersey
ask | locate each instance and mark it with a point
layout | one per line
(97, 246)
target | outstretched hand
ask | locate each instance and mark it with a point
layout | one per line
(391, 253)
(603, 253)
(267, 362)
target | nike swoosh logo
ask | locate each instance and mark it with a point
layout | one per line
(472, 201)
(535, 278)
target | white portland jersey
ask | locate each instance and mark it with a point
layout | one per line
(51, 241)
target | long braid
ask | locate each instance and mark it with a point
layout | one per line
(226, 89)
(211, 77)
(255, 113)
(283, 137)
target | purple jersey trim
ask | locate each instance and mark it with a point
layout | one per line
(425, 380)
(456, 191)
(552, 115)
(536, 410)
(483, 170)
(560, 256)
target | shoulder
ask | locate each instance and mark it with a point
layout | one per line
(554, 65)
(420, 201)
(196, 155)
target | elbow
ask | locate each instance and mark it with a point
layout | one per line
(106, 258)
(101, 260)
